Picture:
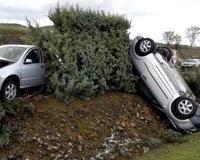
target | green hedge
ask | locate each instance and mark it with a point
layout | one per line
(192, 77)
(86, 52)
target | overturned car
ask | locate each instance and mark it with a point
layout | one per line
(163, 85)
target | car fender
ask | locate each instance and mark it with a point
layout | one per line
(12, 69)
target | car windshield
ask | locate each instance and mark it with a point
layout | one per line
(12, 53)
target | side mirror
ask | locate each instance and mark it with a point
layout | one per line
(28, 61)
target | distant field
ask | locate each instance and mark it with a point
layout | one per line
(185, 51)
(189, 52)
(12, 33)
(12, 29)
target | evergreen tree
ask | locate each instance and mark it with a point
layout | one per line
(86, 52)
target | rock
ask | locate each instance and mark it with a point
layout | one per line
(145, 149)
(58, 134)
(80, 148)
(142, 118)
(107, 114)
(58, 156)
(124, 151)
(55, 148)
(80, 138)
(138, 146)
(112, 157)
(15, 157)
(136, 135)
(138, 115)
(132, 124)
(123, 124)
(119, 128)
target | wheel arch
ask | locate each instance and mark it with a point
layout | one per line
(173, 107)
(12, 77)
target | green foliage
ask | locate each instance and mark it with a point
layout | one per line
(86, 52)
(152, 142)
(9, 111)
(4, 135)
(170, 136)
(184, 151)
(192, 77)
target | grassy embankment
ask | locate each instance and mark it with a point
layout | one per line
(12, 33)
(183, 151)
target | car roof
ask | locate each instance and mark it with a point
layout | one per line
(19, 45)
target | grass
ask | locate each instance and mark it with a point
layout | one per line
(189, 52)
(12, 29)
(183, 151)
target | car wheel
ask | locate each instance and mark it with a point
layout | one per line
(145, 46)
(10, 90)
(185, 108)
(167, 53)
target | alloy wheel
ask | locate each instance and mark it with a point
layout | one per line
(185, 107)
(145, 46)
(10, 92)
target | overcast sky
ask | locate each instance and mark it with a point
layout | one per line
(149, 18)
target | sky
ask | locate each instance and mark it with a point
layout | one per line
(149, 18)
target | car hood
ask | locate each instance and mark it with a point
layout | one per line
(5, 62)
(5, 59)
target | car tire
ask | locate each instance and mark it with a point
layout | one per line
(184, 108)
(9, 90)
(145, 46)
(167, 53)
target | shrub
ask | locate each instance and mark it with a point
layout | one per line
(170, 136)
(10, 113)
(192, 76)
(86, 52)
(152, 142)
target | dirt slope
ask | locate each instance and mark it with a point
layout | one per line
(112, 126)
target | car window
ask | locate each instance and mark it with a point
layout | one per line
(34, 56)
(12, 53)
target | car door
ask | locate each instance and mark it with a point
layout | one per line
(33, 69)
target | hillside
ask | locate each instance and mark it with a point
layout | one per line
(112, 126)
(12, 33)
(189, 52)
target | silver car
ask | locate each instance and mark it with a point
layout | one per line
(166, 88)
(21, 66)
(191, 63)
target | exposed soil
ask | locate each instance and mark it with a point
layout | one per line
(112, 126)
